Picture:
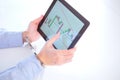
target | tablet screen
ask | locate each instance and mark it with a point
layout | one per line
(61, 19)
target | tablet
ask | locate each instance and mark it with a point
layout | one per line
(63, 18)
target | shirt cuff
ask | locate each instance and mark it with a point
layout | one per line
(38, 45)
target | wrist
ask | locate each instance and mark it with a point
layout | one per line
(24, 36)
(41, 62)
(33, 37)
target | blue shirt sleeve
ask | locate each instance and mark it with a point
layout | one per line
(25, 70)
(10, 39)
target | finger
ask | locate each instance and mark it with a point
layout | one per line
(68, 60)
(63, 60)
(54, 38)
(67, 52)
(38, 19)
(72, 50)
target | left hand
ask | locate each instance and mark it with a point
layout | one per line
(32, 34)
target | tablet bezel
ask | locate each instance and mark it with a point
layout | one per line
(70, 8)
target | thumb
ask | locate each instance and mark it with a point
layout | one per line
(54, 38)
(38, 19)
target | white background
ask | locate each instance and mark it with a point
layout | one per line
(98, 51)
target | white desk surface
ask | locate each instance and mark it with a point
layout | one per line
(98, 53)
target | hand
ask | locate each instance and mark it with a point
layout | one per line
(32, 34)
(51, 56)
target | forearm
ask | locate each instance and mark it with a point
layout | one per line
(25, 70)
(10, 39)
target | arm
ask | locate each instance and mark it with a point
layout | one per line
(10, 39)
(28, 69)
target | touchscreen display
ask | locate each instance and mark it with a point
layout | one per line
(60, 19)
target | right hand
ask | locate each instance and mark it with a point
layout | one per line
(51, 56)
